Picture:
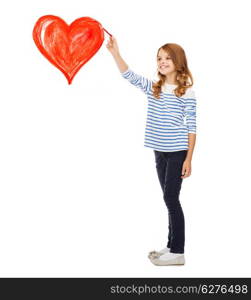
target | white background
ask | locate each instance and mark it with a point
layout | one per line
(79, 193)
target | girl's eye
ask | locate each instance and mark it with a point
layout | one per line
(166, 58)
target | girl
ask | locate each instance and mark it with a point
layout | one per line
(171, 133)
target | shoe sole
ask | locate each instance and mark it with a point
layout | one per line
(173, 262)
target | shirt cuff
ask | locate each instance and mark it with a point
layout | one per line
(191, 130)
(125, 72)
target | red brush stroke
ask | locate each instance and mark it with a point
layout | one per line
(68, 47)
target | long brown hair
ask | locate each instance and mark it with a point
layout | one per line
(178, 57)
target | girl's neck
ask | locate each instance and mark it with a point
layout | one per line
(171, 79)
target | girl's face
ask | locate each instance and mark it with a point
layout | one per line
(165, 63)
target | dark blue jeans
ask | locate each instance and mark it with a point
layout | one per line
(169, 168)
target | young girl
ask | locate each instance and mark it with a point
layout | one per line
(171, 133)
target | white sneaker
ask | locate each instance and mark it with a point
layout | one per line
(168, 259)
(156, 254)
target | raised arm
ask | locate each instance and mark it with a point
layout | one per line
(112, 46)
(137, 80)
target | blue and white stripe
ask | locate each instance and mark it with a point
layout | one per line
(169, 119)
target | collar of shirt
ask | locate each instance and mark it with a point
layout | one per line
(168, 87)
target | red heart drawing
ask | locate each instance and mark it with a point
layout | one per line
(68, 47)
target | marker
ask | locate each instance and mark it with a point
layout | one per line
(107, 31)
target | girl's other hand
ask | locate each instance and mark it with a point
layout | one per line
(186, 169)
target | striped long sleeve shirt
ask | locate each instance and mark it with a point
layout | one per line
(169, 118)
